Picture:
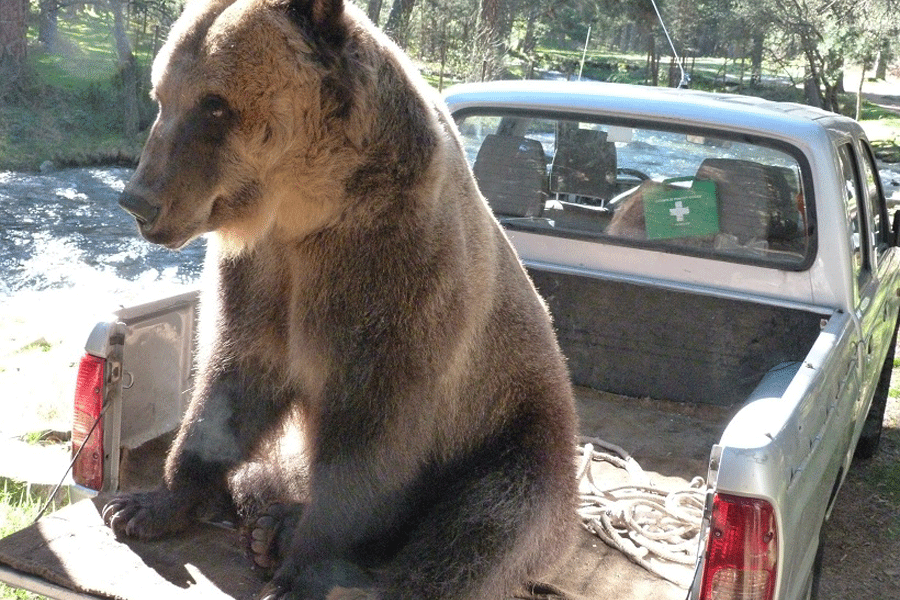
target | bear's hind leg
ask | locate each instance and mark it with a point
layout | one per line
(259, 484)
(466, 552)
(269, 496)
(327, 579)
(506, 517)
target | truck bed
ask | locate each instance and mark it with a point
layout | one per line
(71, 549)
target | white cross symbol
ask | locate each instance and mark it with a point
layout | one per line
(680, 211)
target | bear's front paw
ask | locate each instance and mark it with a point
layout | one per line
(146, 515)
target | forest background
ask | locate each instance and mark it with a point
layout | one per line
(74, 75)
(74, 83)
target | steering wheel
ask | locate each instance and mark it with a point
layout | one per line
(633, 173)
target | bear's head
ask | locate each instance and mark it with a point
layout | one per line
(249, 93)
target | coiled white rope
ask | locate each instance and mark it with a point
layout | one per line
(656, 529)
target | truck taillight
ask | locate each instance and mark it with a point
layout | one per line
(88, 467)
(742, 551)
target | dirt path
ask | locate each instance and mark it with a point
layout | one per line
(885, 93)
(891, 103)
(863, 537)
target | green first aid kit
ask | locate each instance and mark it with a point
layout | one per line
(673, 211)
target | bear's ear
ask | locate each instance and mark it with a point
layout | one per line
(320, 18)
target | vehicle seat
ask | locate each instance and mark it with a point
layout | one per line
(755, 200)
(584, 165)
(511, 172)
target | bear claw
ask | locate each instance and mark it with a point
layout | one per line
(145, 515)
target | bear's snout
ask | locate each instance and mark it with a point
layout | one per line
(138, 207)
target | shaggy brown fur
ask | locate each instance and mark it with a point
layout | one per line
(358, 287)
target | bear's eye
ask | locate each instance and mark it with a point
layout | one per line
(214, 106)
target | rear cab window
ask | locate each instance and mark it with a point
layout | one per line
(649, 185)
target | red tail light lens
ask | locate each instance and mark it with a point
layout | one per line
(742, 553)
(88, 469)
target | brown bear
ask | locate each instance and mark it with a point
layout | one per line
(358, 287)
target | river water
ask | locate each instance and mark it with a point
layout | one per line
(69, 257)
(63, 233)
(65, 230)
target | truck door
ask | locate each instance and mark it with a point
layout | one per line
(873, 257)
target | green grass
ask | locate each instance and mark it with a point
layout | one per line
(883, 479)
(33, 437)
(884, 132)
(85, 53)
(19, 506)
(8, 593)
(887, 478)
(67, 109)
(66, 128)
(40, 345)
(706, 72)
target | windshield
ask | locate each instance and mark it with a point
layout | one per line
(677, 191)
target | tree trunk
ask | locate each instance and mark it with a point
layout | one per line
(812, 92)
(625, 38)
(13, 30)
(397, 25)
(813, 80)
(529, 41)
(881, 60)
(831, 98)
(862, 78)
(674, 73)
(756, 57)
(839, 81)
(374, 10)
(48, 31)
(127, 70)
(487, 51)
(652, 59)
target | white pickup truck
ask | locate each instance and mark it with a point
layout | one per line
(724, 281)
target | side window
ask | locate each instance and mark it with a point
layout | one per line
(877, 206)
(854, 201)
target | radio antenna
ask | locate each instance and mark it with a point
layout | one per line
(684, 78)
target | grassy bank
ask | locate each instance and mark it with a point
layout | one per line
(80, 127)
(66, 127)
(885, 135)
(68, 109)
